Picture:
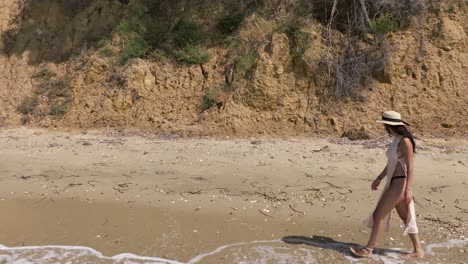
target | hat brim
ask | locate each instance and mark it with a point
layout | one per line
(390, 123)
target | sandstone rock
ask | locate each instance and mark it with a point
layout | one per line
(312, 56)
(452, 33)
(384, 75)
(149, 80)
(280, 48)
(446, 48)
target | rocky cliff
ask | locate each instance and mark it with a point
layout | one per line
(277, 74)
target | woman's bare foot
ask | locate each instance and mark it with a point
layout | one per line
(361, 252)
(414, 254)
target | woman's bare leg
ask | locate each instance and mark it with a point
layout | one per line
(402, 209)
(391, 197)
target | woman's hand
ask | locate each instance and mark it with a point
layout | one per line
(375, 184)
(408, 196)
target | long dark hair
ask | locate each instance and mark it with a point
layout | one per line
(402, 131)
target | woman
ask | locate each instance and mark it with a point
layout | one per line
(398, 189)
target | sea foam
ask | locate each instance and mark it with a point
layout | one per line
(253, 252)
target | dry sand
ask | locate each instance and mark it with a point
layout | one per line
(177, 199)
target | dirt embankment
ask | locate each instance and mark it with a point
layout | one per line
(46, 46)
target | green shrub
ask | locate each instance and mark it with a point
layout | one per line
(28, 105)
(106, 52)
(451, 9)
(228, 24)
(356, 134)
(43, 73)
(57, 91)
(246, 62)
(231, 42)
(135, 47)
(299, 51)
(124, 27)
(59, 109)
(299, 44)
(187, 32)
(210, 99)
(383, 24)
(104, 48)
(297, 37)
(192, 54)
(55, 88)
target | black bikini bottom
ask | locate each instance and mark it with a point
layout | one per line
(397, 177)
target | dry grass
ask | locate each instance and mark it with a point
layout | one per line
(349, 71)
(353, 60)
(28, 105)
(257, 29)
(246, 62)
(401, 12)
(192, 54)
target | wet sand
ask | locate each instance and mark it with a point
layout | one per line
(178, 199)
(171, 234)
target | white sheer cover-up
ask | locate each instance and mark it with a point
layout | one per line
(393, 161)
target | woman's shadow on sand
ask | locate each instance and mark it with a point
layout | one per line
(330, 243)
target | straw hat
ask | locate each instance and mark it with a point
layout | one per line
(392, 118)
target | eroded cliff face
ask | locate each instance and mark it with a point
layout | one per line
(426, 78)
(14, 72)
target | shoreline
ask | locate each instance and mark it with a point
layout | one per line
(112, 231)
(113, 228)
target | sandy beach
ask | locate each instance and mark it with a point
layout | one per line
(144, 199)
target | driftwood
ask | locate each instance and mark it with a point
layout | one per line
(190, 192)
(295, 210)
(265, 214)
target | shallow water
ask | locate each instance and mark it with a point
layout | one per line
(288, 250)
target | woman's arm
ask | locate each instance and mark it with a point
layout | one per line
(375, 184)
(408, 156)
(383, 173)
